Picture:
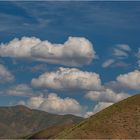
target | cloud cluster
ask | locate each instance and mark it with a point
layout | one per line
(55, 104)
(106, 95)
(130, 80)
(76, 51)
(68, 79)
(5, 75)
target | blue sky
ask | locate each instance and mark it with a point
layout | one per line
(109, 26)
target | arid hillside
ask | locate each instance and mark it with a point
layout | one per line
(121, 120)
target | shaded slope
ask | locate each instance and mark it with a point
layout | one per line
(121, 120)
(50, 132)
(19, 121)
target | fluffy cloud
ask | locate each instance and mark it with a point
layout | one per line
(68, 79)
(55, 104)
(130, 80)
(98, 107)
(19, 48)
(106, 95)
(35, 102)
(107, 63)
(5, 75)
(75, 51)
(116, 86)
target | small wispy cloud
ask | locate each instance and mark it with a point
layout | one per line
(107, 63)
(118, 54)
(121, 64)
(121, 51)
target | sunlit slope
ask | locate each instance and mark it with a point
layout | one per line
(121, 120)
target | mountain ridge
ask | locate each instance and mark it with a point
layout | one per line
(19, 121)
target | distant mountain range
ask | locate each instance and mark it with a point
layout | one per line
(50, 132)
(119, 121)
(20, 121)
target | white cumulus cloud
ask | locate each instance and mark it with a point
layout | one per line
(19, 48)
(104, 98)
(106, 95)
(68, 79)
(98, 107)
(5, 75)
(55, 104)
(130, 80)
(76, 51)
